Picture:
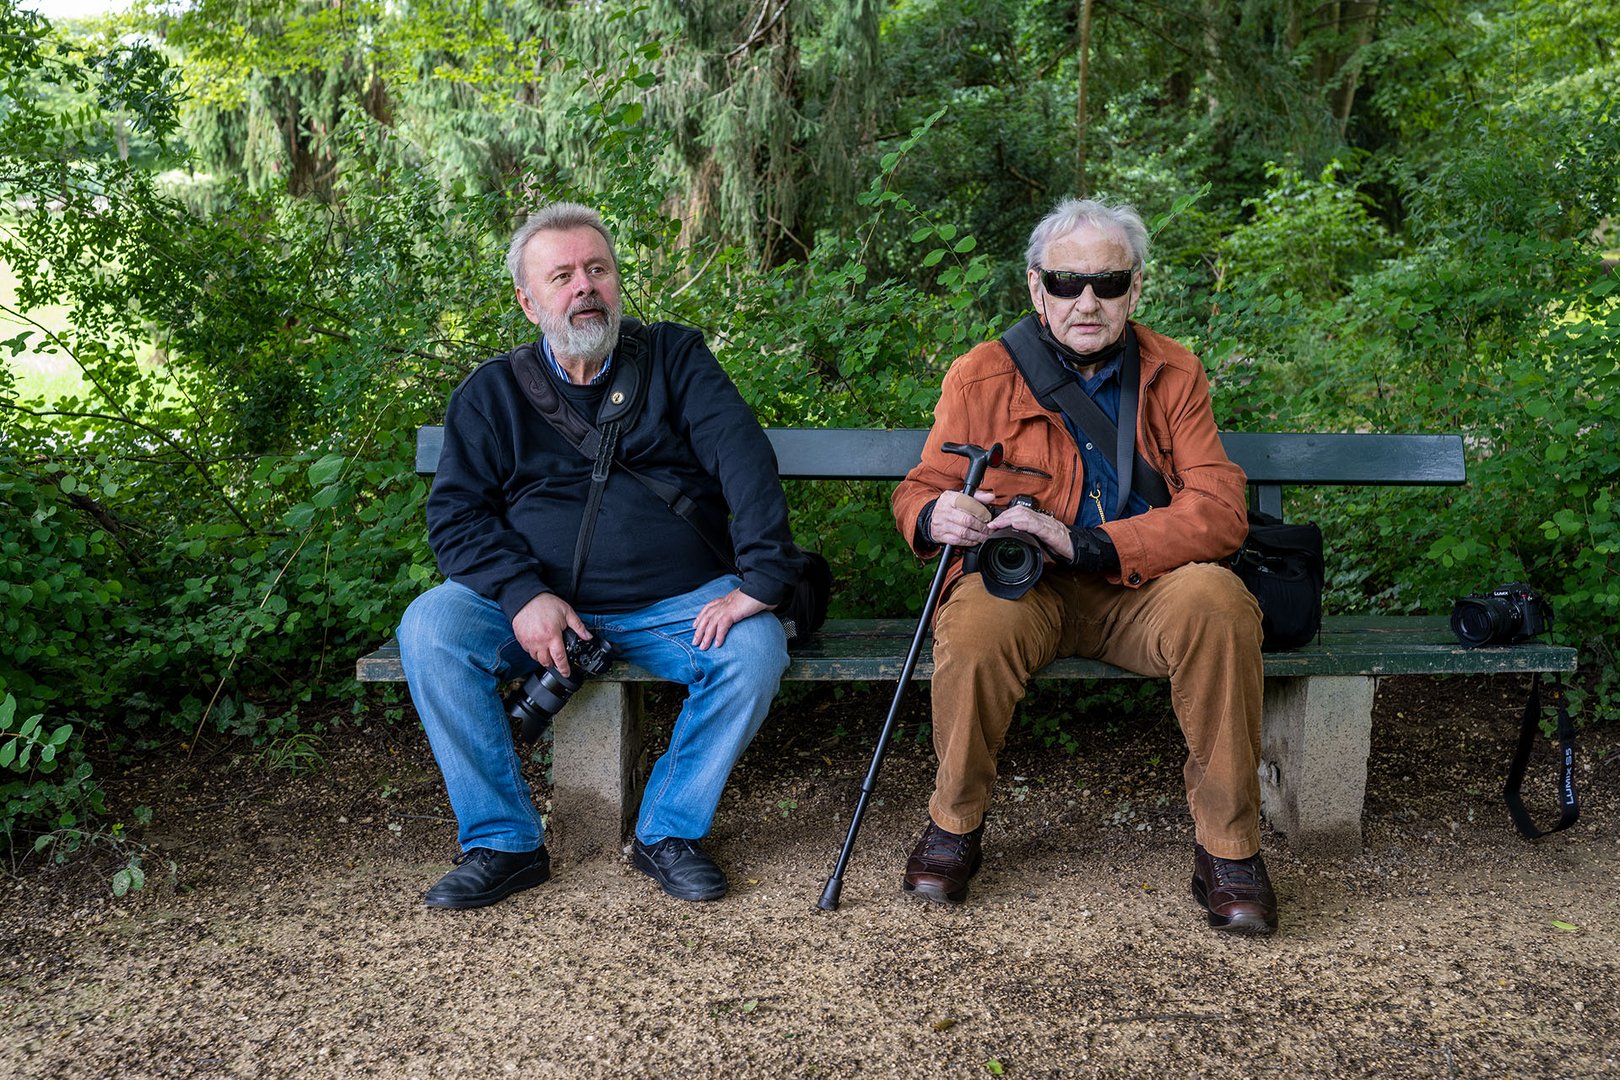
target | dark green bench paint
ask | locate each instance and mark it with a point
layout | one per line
(1318, 718)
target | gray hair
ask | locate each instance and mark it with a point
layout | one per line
(1070, 214)
(555, 217)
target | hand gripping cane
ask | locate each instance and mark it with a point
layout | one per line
(979, 459)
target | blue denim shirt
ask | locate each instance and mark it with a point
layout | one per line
(1101, 490)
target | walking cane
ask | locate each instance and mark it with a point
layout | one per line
(979, 459)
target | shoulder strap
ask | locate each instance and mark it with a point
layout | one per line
(1055, 388)
(621, 405)
(626, 392)
(1569, 806)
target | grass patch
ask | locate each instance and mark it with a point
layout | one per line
(36, 371)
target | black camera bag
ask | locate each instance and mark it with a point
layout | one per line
(805, 609)
(1281, 564)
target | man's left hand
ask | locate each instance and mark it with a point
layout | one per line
(1043, 527)
(719, 616)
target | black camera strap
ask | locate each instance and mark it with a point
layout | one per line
(1056, 388)
(1569, 806)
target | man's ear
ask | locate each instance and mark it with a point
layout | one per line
(526, 302)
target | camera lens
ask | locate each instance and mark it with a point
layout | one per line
(535, 702)
(1010, 562)
(1481, 620)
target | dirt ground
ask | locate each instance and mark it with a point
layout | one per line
(294, 943)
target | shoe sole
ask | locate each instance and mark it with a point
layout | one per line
(523, 879)
(1247, 925)
(646, 867)
(934, 894)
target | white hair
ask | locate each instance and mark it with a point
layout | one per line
(1070, 214)
(554, 217)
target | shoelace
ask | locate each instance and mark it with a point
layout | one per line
(670, 844)
(1238, 873)
(475, 853)
(940, 844)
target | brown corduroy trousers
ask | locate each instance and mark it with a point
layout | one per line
(1197, 626)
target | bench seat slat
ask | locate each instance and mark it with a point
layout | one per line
(875, 649)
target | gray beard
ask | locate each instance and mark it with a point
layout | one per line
(590, 343)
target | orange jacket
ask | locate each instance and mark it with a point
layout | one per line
(985, 400)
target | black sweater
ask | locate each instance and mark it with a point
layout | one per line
(505, 510)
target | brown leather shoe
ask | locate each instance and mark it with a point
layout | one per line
(1236, 892)
(941, 864)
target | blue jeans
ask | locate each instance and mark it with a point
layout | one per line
(458, 648)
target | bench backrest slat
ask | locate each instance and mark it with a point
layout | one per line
(1269, 458)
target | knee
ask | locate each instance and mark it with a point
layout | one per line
(419, 626)
(756, 650)
(976, 631)
(442, 619)
(1212, 599)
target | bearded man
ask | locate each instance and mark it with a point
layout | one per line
(510, 501)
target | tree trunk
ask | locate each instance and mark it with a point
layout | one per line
(1080, 100)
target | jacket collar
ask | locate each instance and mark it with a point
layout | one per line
(1024, 405)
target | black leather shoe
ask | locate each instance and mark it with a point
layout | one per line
(941, 864)
(681, 868)
(1236, 892)
(483, 876)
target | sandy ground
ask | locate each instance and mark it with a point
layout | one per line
(294, 942)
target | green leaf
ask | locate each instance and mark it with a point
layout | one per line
(326, 470)
(995, 1067)
(933, 257)
(8, 753)
(1558, 924)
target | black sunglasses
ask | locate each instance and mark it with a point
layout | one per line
(1067, 284)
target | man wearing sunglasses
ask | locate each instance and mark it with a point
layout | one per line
(1132, 573)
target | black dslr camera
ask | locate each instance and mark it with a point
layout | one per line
(1506, 615)
(536, 701)
(1011, 561)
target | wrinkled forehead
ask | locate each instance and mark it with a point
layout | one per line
(1090, 248)
(552, 248)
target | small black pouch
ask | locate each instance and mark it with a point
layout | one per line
(1281, 564)
(805, 609)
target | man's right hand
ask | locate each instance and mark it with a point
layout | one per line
(539, 629)
(960, 519)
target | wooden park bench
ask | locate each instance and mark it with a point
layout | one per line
(1317, 726)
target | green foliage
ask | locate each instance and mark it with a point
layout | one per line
(45, 784)
(1306, 237)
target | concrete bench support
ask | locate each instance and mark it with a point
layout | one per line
(599, 767)
(1314, 742)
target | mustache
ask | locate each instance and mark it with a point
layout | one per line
(589, 303)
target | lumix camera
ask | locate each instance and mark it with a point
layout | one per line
(1011, 561)
(1506, 615)
(537, 700)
